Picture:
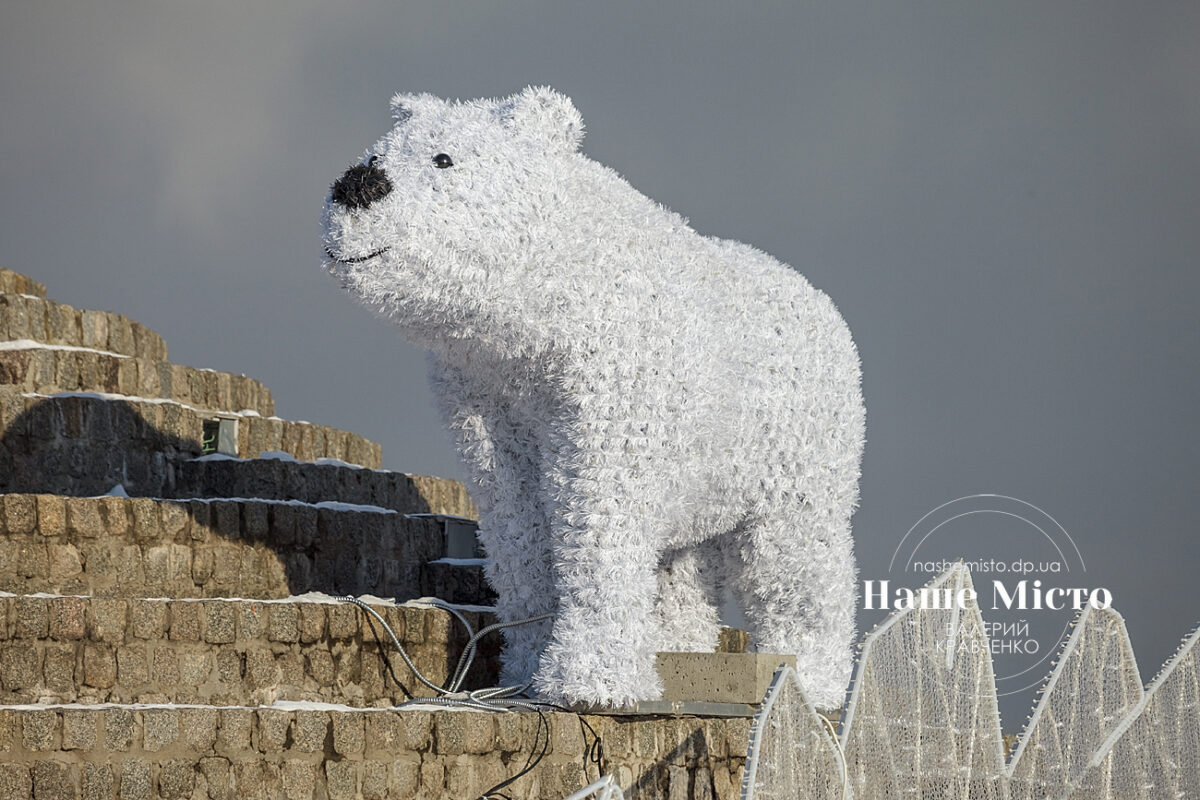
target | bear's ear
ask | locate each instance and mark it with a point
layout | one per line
(542, 113)
(405, 105)
(401, 108)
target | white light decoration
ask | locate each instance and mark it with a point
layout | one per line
(647, 415)
(922, 720)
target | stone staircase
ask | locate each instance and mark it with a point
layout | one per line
(171, 557)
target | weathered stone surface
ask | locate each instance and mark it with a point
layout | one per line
(299, 779)
(58, 669)
(67, 617)
(464, 733)
(433, 777)
(16, 283)
(119, 728)
(106, 620)
(272, 729)
(343, 621)
(161, 728)
(69, 371)
(405, 777)
(220, 622)
(261, 669)
(348, 733)
(148, 618)
(314, 483)
(20, 513)
(15, 781)
(79, 729)
(383, 732)
(176, 778)
(511, 732)
(198, 727)
(135, 780)
(51, 515)
(32, 618)
(133, 667)
(99, 666)
(20, 666)
(38, 729)
(185, 621)
(309, 731)
(285, 623)
(341, 779)
(65, 443)
(457, 583)
(236, 725)
(143, 547)
(312, 622)
(256, 778)
(217, 775)
(53, 780)
(374, 780)
(281, 752)
(98, 782)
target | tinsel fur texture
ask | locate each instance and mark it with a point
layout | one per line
(649, 417)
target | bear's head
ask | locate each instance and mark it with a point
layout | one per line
(445, 222)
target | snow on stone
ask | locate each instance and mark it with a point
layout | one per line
(280, 705)
(129, 398)
(30, 344)
(337, 462)
(330, 505)
(278, 455)
(316, 598)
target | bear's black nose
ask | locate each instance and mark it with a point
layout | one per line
(362, 185)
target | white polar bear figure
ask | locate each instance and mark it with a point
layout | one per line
(647, 414)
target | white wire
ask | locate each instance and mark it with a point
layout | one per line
(841, 755)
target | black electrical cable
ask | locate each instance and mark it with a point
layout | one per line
(387, 661)
(593, 753)
(530, 763)
(496, 699)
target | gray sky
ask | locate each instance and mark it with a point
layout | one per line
(1002, 198)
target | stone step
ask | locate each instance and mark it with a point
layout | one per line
(85, 444)
(72, 649)
(457, 580)
(144, 547)
(23, 316)
(53, 369)
(16, 283)
(283, 479)
(302, 753)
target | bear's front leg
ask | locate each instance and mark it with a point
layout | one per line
(505, 473)
(603, 644)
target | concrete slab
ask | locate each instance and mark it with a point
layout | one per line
(718, 677)
(667, 708)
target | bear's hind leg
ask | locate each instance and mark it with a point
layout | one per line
(689, 592)
(795, 583)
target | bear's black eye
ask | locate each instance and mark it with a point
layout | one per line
(442, 161)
